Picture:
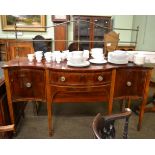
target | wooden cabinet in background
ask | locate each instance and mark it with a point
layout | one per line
(90, 29)
(3, 50)
(11, 48)
(19, 49)
(60, 35)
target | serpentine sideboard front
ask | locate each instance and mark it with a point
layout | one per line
(50, 82)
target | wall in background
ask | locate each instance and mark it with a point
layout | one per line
(123, 21)
(29, 35)
(119, 21)
(146, 34)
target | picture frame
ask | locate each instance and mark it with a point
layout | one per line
(23, 22)
(60, 18)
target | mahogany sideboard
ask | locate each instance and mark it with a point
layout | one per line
(52, 82)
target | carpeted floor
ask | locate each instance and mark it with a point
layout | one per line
(73, 121)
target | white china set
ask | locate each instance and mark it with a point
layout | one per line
(123, 57)
(80, 58)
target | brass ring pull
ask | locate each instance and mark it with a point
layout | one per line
(100, 78)
(62, 79)
(128, 83)
(28, 84)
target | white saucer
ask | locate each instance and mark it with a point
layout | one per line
(118, 62)
(96, 61)
(84, 64)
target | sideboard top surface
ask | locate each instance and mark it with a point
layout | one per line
(23, 62)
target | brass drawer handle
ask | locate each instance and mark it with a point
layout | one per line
(62, 78)
(100, 78)
(28, 84)
(128, 83)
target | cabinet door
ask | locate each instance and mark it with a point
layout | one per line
(130, 82)
(101, 26)
(27, 83)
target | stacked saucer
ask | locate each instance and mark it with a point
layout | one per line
(118, 57)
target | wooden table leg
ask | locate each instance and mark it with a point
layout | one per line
(9, 97)
(49, 103)
(49, 111)
(110, 105)
(144, 101)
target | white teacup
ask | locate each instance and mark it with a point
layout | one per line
(47, 54)
(48, 59)
(38, 52)
(38, 59)
(76, 60)
(77, 57)
(77, 53)
(97, 51)
(139, 59)
(69, 56)
(86, 54)
(30, 57)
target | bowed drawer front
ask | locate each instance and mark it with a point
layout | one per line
(74, 78)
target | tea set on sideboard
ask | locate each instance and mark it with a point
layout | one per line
(95, 56)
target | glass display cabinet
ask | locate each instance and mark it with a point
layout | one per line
(89, 30)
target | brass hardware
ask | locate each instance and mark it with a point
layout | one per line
(28, 84)
(100, 78)
(128, 83)
(62, 79)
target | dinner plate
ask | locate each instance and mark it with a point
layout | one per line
(96, 61)
(84, 64)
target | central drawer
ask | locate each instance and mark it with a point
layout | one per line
(80, 78)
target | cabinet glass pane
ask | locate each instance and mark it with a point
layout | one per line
(82, 31)
(100, 27)
(3, 52)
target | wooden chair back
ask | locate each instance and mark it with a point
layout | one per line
(103, 126)
(111, 40)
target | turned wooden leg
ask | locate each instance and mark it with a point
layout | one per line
(144, 100)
